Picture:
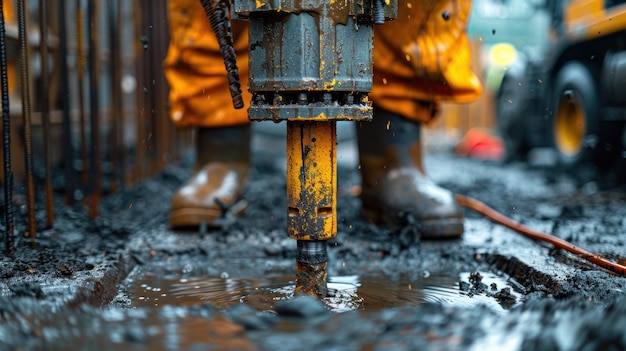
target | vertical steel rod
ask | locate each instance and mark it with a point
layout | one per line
(95, 169)
(26, 117)
(119, 105)
(121, 109)
(80, 63)
(114, 101)
(68, 151)
(45, 109)
(152, 89)
(9, 234)
(142, 91)
(161, 139)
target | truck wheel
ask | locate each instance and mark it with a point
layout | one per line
(575, 112)
(511, 118)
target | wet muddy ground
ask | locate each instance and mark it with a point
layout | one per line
(125, 281)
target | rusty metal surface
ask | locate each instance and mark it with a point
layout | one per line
(44, 102)
(88, 119)
(217, 12)
(26, 117)
(9, 236)
(311, 279)
(115, 112)
(95, 155)
(68, 148)
(152, 122)
(80, 66)
(311, 180)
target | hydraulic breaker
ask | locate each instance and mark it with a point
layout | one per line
(311, 66)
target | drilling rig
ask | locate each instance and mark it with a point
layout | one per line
(310, 65)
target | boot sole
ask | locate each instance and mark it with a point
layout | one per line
(195, 217)
(436, 228)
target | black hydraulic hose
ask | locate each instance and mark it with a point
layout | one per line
(45, 109)
(68, 153)
(9, 234)
(217, 12)
(26, 117)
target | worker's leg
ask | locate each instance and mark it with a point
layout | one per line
(395, 188)
(413, 72)
(199, 98)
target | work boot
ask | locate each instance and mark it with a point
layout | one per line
(214, 194)
(395, 188)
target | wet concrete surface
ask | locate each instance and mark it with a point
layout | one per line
(94, 284)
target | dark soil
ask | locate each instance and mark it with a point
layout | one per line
(66, 290)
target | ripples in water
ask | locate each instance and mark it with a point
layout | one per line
(346, 293)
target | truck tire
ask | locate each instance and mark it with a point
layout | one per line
(511, 118)
(575, 115)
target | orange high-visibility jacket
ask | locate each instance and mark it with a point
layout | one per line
(421, 58)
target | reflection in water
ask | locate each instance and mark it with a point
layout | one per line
(345, 293)
(189, 331)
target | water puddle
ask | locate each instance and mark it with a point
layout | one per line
(154, 286)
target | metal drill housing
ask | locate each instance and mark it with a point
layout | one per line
(311, 65)
(310, 59)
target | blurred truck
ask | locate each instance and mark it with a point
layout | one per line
(571, 98)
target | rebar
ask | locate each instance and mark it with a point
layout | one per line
(68, 152)
(44, 101)
(123, 152)
(26, 117)
(80, 71)
(142, 93)
(153, 52)
(9, 234)
(163, 128)
(217, 12)
(95, 170)
(116, 118)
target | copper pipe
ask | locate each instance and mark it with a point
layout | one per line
(26, 114)
(493, 215)
(9, 237)
(45, 110)
(68, 152)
